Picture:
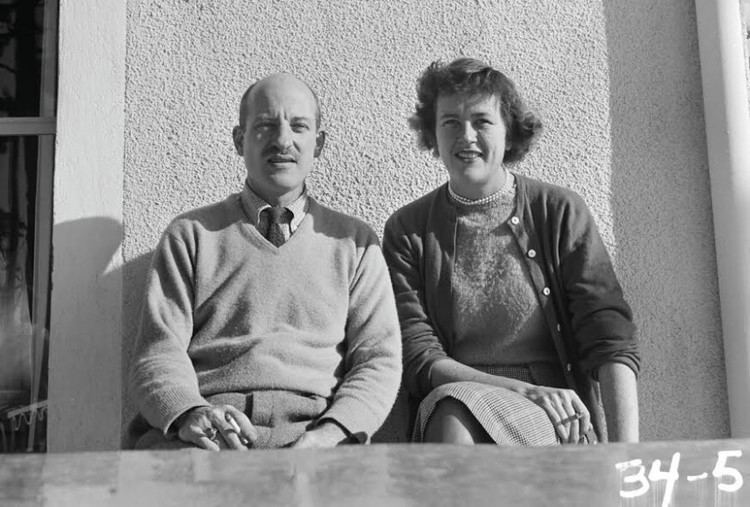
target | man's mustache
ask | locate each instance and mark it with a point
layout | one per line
(275, 152)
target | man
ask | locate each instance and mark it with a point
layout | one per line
(269, 319)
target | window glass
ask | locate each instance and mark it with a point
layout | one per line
(28, 76)
(21, 40)
(22, 334)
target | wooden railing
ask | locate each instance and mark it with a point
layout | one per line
(691, 473)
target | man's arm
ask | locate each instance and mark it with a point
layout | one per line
(619, 390)
(327, 434)
(162, 379)
(372, 359)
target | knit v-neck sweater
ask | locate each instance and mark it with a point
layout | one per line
(228, 312)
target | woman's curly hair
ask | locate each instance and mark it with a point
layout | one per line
(472, 77)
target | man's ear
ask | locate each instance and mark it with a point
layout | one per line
(237, 134)
(320, 141)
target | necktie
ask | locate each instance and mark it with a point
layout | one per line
(276, 220)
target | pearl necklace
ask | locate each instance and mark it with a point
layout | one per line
(506, 189)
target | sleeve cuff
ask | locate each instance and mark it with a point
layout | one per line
(622, 359)
(359, 437)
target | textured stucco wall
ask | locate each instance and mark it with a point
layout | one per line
(616, 83)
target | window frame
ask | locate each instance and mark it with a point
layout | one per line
(44, 127)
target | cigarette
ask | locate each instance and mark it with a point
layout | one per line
(237, 429)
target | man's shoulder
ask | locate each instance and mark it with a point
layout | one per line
(342, 225)
(211, 217)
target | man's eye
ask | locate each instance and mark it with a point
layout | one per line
(300, 127)
(264, 126)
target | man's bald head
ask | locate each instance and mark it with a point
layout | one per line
(273, 80)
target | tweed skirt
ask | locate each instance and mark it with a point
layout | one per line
(508, 417)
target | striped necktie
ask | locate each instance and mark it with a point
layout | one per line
(277, 218)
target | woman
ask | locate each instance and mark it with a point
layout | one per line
(514, 326)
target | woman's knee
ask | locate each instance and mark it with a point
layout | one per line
(452, 422)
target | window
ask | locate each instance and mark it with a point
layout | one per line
(28, 74)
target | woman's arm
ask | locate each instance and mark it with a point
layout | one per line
(403, 252)
(619, 391)
(445, 371)
(601, 321)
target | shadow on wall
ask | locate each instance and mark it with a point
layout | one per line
(661, 211)
(134, 279)
(107, 233)
(133, 286)
(85, 249)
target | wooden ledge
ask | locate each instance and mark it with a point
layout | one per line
(650, 474)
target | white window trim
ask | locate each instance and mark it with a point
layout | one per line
(725, 102)
(85, 371)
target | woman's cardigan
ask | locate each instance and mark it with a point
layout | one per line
(582, 301)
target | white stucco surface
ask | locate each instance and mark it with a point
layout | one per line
(85, 392)
(617, 85)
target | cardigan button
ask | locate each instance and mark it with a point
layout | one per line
(558, 327)
(546, 291)
(514, 220)
(569, 367)
(531, 253)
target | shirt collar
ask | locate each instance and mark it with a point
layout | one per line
(254, 206)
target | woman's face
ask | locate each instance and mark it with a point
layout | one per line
(470, 135)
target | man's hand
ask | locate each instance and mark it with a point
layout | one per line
(216, 427)
(326, 435)
(565, 409)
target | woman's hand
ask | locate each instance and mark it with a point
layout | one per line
(564, 408)
(568, 414)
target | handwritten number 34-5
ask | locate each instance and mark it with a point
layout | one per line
(729, 479)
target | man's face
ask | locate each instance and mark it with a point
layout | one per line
(280, 138)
